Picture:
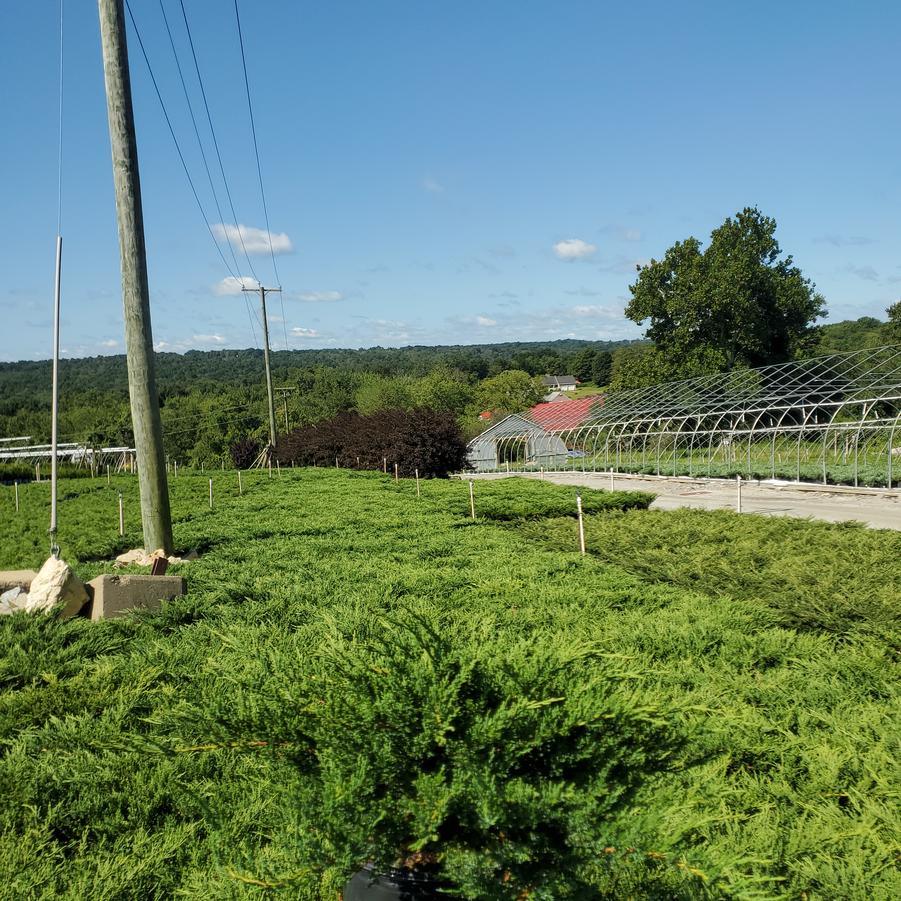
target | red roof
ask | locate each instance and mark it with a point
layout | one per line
(565, 414)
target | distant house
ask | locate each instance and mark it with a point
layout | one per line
(559, 382)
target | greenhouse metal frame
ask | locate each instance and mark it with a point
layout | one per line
(832, 419)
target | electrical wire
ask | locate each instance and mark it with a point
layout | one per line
(209, 117)
(206, 166)
(256, 151)
(181, 157)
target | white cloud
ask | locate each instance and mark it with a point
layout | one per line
(300, 332)
(484, 320)
(110, 342)
(319, 296)
(574, 249)
(208, 339)
(432, 186)
(252, 240)
(594, 311)
(232, 285)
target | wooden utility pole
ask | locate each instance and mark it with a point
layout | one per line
(145, 412)
(263, 292)
(284, 393)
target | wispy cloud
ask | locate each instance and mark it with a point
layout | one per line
(574, 249)
(844, 240)
(110, 342)
(622, 232)
(318, 296)
(867, 273)
(208, 339)
(432, 185)
(300, 332)
(485, 321)
(252, 240)
(582, 291)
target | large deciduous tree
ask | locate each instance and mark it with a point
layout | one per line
(738, 302)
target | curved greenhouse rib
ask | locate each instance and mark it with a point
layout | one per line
(778, 420)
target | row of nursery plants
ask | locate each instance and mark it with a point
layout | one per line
(362, 674)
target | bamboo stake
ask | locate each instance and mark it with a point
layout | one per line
(121, 516)
(472, 501)
(395, 473)
(738, 494)
(240, 488)
(17, 497)
(108, 483)
(385, 464)
(211, 494)
(417, 483)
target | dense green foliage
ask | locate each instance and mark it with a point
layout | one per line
(735, 303)
(163, 754)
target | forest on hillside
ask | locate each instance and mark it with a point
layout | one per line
(212, 399)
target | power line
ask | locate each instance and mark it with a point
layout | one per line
(215, 141)
(181, 157)
(256, 151)
(184, 88)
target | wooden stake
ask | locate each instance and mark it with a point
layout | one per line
(176, 469)
(385, 464)
(472, 501)
(240, 488)
(581, 524)
(17, 497)
(37, 472)
(738, 494)
(336, 463)
(121, 516)
(211, 494)
(107, 475)
(417, 483)
(611, 478)
(278, 467)
(270, 467)
(395, 473)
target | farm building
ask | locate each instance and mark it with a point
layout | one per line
(518, 441)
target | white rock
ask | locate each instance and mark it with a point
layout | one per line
(56, 584)
(13, 601)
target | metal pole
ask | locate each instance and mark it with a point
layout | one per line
(156, 517)
(581, 524)
(54, 415)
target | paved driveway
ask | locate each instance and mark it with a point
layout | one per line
(878, 508)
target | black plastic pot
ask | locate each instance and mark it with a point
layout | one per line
(396, 885)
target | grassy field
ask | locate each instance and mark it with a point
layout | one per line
(158, 756)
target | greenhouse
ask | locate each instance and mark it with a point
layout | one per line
(834, 419)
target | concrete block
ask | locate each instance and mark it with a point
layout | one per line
(115, 595)
(16, 578)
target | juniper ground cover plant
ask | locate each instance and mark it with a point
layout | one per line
(209, 750)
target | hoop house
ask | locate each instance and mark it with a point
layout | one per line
(834, 419)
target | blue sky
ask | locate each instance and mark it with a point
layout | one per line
(450, 172)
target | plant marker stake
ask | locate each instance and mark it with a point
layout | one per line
(581, 524)
(121, 516)
(17, 497)
(37, 471)
(176, 469)
(472, 501)
(738, 494)
(201, 465)
(211, 494)
(384, 464)
(336, 463)
(270, 468)
(542, 472)
(223, 465)
(107, 475)
(395, 472)
(240, 488)
(611, 478)
(358, 462)
(417, 483)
